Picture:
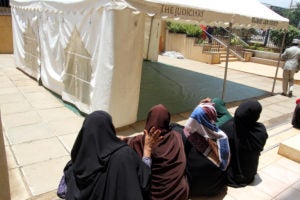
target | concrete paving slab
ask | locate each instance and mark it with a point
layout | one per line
(38, 151)
(9, 98)
(53, 114)
(20, 119)
(15, 107)
(68, 140)
(29, 133)
(70, 125)
(43, 177)
(269, 185)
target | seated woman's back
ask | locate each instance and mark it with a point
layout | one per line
(204, 177)
(102, 167)
(206, 149)
(168, 159)
(247, 138)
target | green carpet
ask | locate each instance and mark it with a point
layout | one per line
(180, 90)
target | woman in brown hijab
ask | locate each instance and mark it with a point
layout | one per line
(168, 158)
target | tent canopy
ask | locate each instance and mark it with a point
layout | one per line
(90, 52)
(250, 13)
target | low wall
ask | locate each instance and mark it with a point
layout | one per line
(265, 57)
(187, 47)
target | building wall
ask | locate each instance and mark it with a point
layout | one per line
(6, 45)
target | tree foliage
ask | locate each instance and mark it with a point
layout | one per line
(293, 15)
(276, 36)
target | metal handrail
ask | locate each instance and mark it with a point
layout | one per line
(234, 49)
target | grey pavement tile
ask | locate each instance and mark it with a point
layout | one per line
(18, 190)
(15, 107)
(46, 104)
(6, 83)
(281, 173)
(289, 106)
(9, 98)
(28, 133)
(31, 88)
(289, 165)
(270, 185)
(276, 107)
(56, 113)
(44, 176)
(8, 90)
(270, 113)
(66, 126)
(37, 151)
(39, 96)
(68, 140)
(247, 193)
(288, 194)
(27, 82)
(11, 162)
(20, 119)
(296, 185)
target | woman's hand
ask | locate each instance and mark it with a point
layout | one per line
(151, 138)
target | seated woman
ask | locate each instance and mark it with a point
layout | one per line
(296, 115)
(222, 113)
(207, 151)
(169, 179)
(247, 138)
(104, 167)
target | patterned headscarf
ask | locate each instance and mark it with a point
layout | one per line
(206, 137)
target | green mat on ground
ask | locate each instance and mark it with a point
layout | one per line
(180, 90)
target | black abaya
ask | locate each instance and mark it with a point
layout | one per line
(104, 167)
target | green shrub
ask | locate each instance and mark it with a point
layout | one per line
(191, 30)
(276, 36)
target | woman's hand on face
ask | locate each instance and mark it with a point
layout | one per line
(151, 138)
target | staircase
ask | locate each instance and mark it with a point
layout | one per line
(223, 55)
(215, 47)
(219, 45)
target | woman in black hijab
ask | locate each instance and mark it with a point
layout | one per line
(247, 138)
(104, 167)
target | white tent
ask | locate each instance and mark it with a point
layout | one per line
(91, 51)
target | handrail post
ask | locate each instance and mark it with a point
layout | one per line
(278, 62)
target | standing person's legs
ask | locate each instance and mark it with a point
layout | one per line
(291, 83)
(285, 78)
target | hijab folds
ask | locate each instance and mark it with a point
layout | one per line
(202, 132)
(168, 158)
(102, 166)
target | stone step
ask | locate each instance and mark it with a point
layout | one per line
(290, 148)
(278, 134)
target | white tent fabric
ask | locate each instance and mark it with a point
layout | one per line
(91, 51)
(250, 13)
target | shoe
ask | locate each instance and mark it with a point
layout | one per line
(290, 94)
(283, 94)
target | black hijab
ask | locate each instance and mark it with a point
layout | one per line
(100, 162)
(247, 138)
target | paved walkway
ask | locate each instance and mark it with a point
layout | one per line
(39, 131)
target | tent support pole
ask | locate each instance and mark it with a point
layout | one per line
(278, 62)
(226, 64)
